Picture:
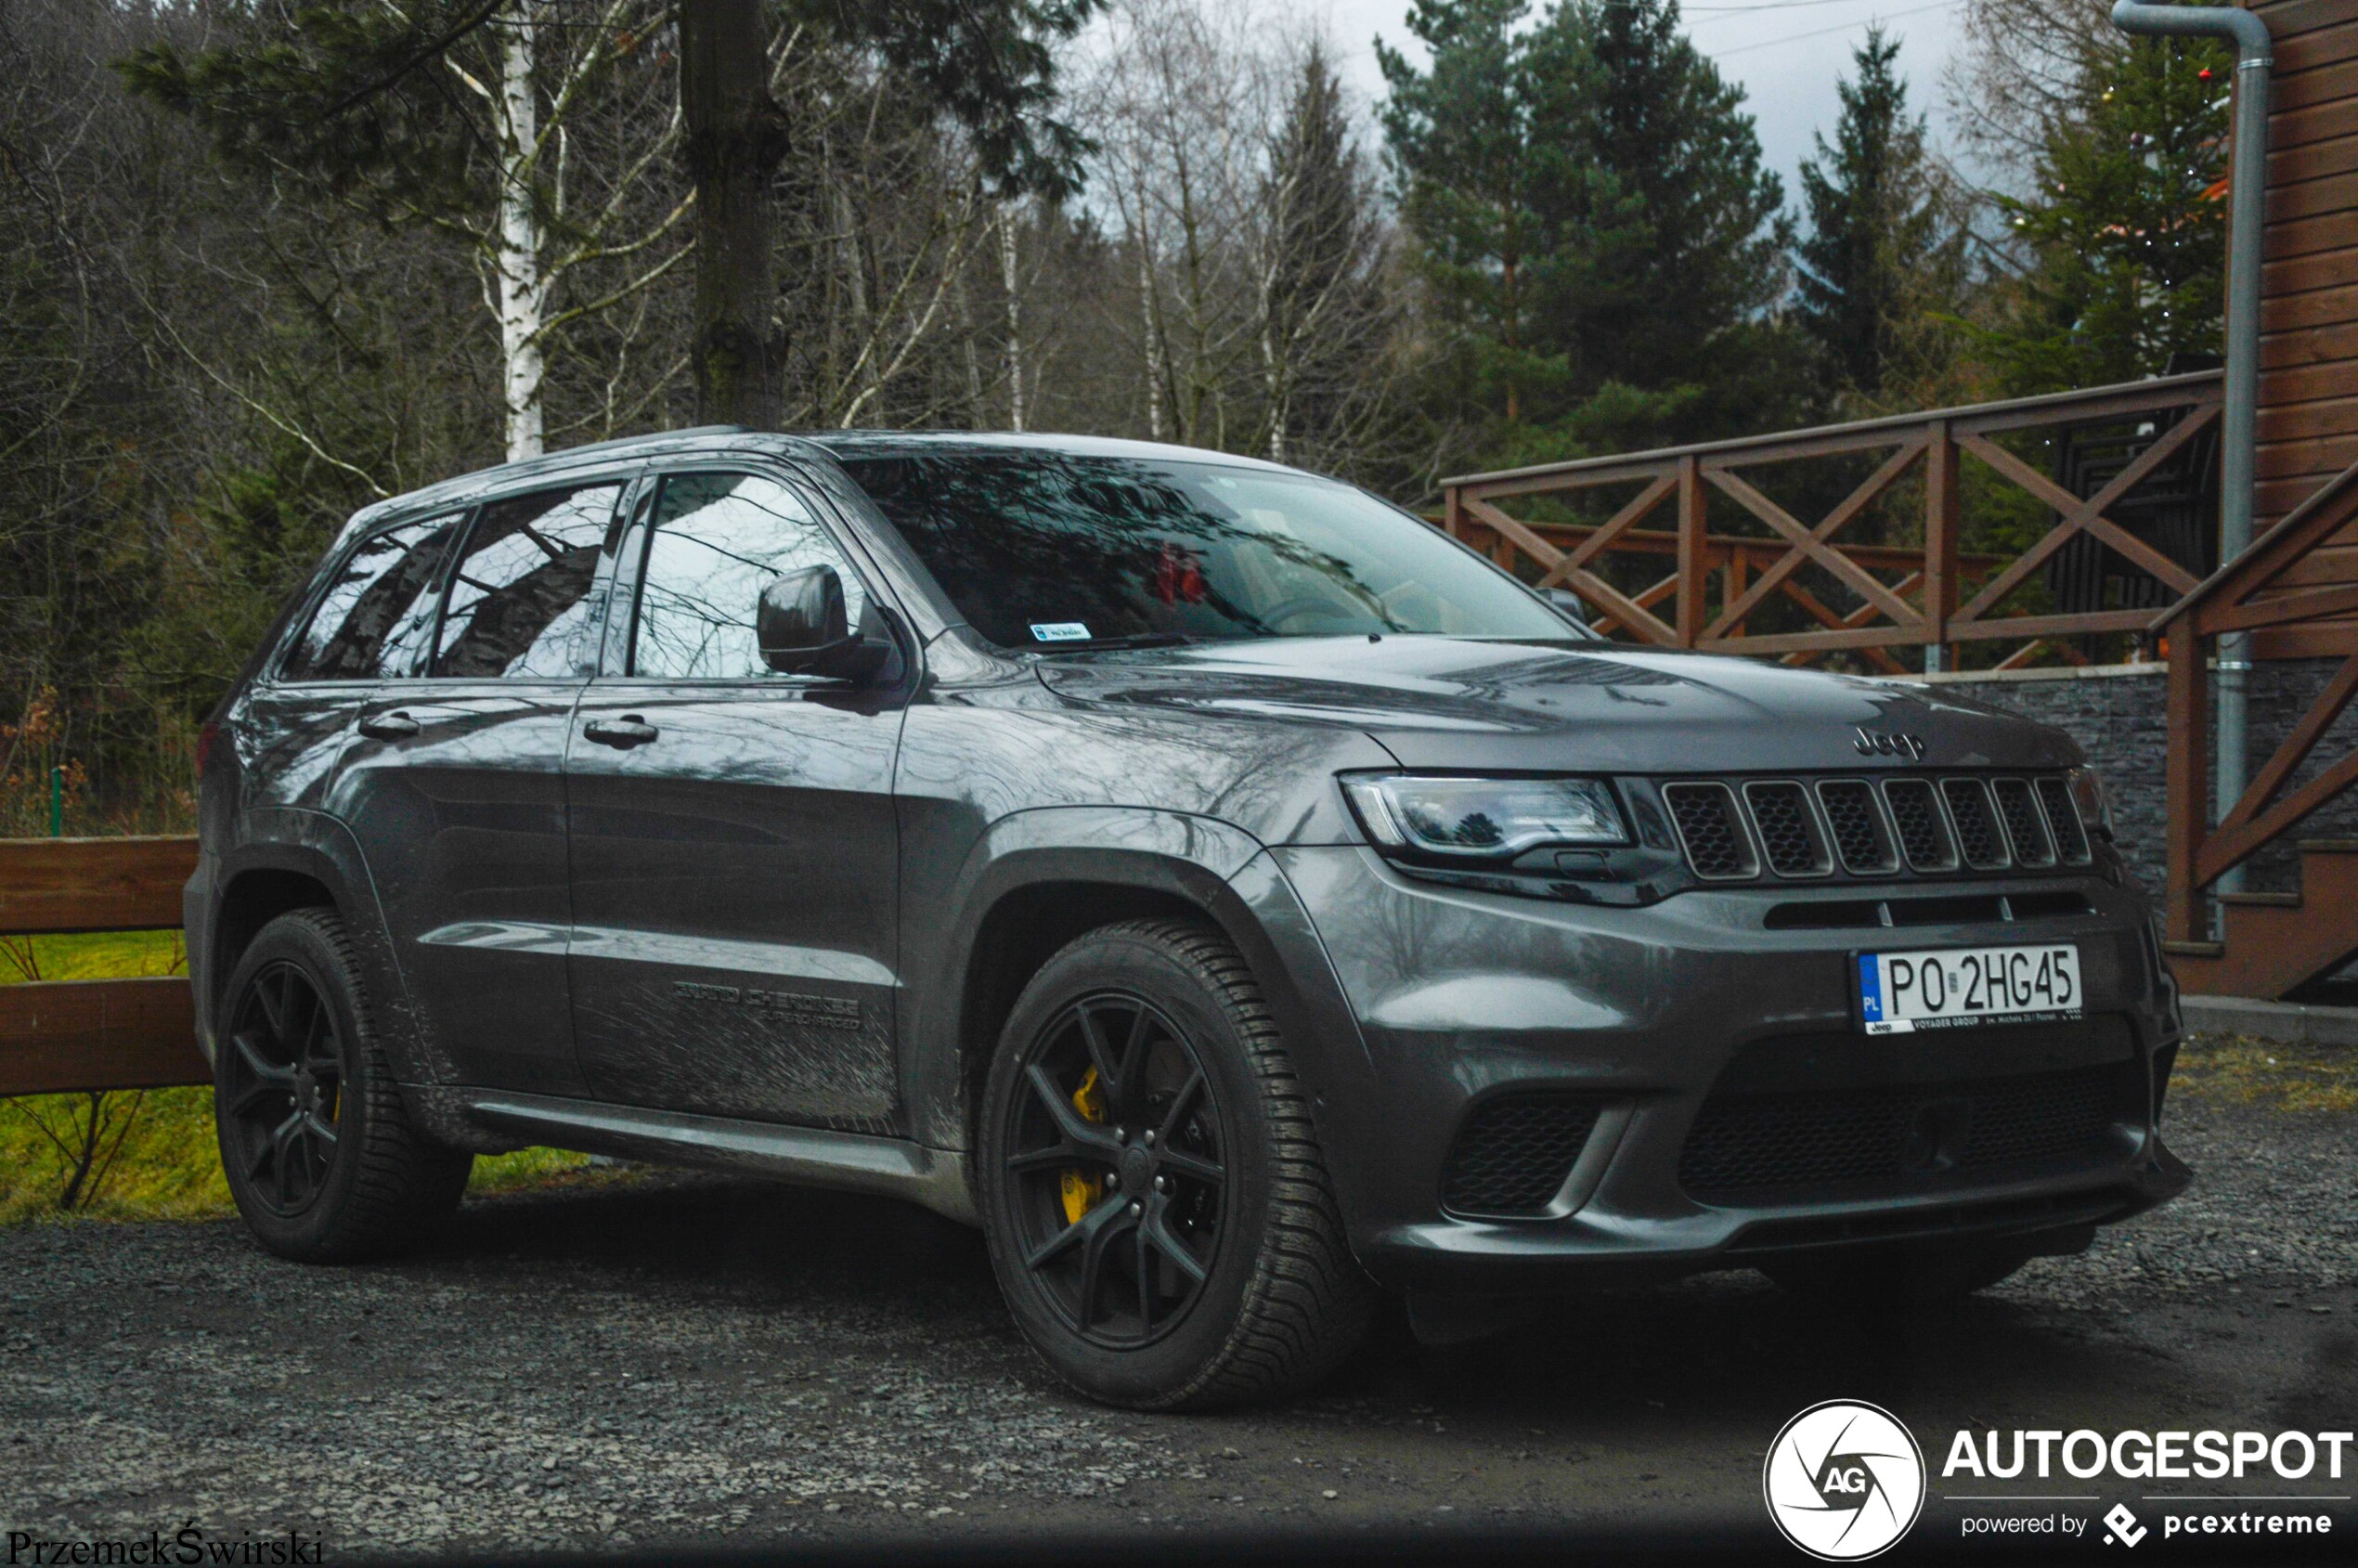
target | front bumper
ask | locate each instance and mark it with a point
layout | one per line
(1462, 997)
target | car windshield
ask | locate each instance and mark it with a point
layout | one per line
(1047, 550)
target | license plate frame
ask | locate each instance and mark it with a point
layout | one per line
(1877, 993)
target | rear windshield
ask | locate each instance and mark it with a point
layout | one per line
(1044, 550)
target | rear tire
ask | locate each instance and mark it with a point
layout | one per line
(319, 1151)
(1159, 1217)
(1889, 1280)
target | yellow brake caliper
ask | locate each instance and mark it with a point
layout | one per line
(1081, 1192)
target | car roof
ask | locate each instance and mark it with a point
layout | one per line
(844, 445)
(848, 446)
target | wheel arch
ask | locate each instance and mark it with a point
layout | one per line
(289, 858)
(1041, 878)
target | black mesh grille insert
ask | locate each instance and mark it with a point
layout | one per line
(1513, 1153)
(1746, 1145)
(1858, 827)
(1977, 823)
(1922, 832)
(1706, 817)
(1788, 829)
(2025, 830)
(2072, 839)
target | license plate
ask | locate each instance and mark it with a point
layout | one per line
(1956, 987)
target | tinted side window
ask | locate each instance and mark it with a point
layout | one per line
(376, 612)
(718, 540)
(519, 598)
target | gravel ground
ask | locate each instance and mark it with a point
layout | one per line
(650, 1362)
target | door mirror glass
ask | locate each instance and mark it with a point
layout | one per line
(800, 618)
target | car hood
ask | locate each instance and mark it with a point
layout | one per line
(1440, 701)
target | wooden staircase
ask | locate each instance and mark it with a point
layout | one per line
(2271, 944)
(2291, 587)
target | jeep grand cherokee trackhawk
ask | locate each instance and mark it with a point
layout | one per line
(1236, 897)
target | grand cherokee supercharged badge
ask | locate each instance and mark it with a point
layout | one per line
(786, 1006)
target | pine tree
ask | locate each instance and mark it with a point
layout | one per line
(1459, 142)
(1671, 231)
(2121, 242)
(1882, 252)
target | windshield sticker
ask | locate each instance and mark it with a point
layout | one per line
(1060, 631)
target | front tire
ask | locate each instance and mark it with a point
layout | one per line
(1159, 1217)
(320, 1154)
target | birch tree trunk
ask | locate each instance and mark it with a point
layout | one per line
(522, 287)
(1015, 319)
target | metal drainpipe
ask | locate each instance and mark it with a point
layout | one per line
(2255, 55)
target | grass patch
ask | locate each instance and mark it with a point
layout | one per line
(2238, 1070)
(151, 1154)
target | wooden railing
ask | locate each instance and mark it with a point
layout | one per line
(62, 1035)
(1926, 593)
(2269, 588)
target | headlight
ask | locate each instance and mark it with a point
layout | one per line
(1490, 819)
(2088, 794)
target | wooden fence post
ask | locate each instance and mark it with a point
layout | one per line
(1692, 547)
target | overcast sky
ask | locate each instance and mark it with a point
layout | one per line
(1787, 54)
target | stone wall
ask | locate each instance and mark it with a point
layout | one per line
(2120, 713)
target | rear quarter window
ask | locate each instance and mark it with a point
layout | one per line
(378, 610)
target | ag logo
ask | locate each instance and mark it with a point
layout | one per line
(1844, 1479)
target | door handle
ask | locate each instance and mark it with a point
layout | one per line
(394, 726)
(621, 734)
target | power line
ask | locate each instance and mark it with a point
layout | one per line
(1841, 27)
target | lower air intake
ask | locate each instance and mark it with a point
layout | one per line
(1514, 1152)
(1748, 1146)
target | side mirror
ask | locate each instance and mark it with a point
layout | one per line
(800, 620)
(1568, 604)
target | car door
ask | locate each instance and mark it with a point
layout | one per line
(454, 784)
(733, 844)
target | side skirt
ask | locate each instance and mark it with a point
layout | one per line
(848, 1161)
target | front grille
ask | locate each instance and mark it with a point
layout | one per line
(2071, 838)
(1712, 830)
(1969, 807)
(1514, 1152)
(1788, 828)
(1743, 1147)
(1867, 849)
(2026, 829)
(1923, 830)
(1874, 827)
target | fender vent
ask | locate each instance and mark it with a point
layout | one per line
(1514, 1152)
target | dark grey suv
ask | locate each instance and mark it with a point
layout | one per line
(1237, 898)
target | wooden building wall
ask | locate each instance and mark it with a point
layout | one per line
(2309, 283)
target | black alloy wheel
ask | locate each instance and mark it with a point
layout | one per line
(1116, 1168)
(283, 1088)
(1160, 1216)
(322, 1153)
